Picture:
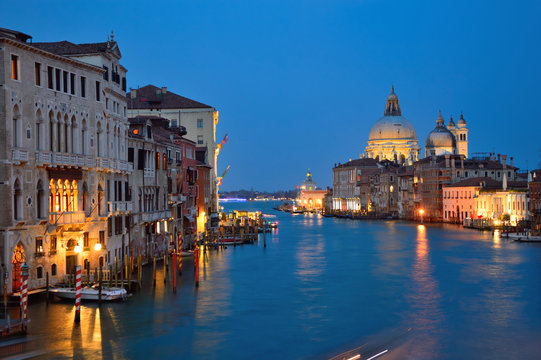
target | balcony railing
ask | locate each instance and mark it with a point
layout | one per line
(19, 156)
(79, 160)
(155, 215)
(68, 217)
(119, 206)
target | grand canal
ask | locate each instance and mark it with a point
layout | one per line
(323, 286)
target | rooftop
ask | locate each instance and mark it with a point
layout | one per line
(152, 97)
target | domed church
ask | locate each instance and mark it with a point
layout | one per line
(393, 137)
(452, 139)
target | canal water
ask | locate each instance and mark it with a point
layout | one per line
(322, 287)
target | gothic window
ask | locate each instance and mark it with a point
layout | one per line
(40, 196)
(17, 200)
(85, 197)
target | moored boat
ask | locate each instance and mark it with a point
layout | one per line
(91, 293)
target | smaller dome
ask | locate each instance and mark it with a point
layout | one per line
(440, 137)
(451, 123)
(461, 121)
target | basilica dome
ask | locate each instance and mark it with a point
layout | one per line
(392, 127)
(393, 137)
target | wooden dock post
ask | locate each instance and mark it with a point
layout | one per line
(130, 260)
(165, 269)
(122, 276)
(174, 272)
(47, 286)
(154, 271)
(116, 273)
(100, 283)
(110, 275)
(139, 272)
(88, 275)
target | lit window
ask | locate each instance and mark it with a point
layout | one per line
(15, 67)
(37, 69)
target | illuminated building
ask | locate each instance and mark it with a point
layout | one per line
(63, 169)
(452, 139)
(393, 137)
(309, 197)
(534, 185)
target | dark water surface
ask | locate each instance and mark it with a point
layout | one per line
(323, 286)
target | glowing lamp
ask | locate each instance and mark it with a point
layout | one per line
(77, 248)
(421, 211)
(97, 247)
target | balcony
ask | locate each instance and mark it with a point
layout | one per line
(119, 206)
(155, 215)
(176, 199)
(19, 156)
(66, 218)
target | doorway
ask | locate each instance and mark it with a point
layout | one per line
(71, 263)
(17, 260)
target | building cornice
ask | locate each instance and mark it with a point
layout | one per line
(33, 49)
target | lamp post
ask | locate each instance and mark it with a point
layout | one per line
(421, 212)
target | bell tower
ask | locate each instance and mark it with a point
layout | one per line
(461, 135)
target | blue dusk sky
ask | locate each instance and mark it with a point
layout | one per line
(299, 84)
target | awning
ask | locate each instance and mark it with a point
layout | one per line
(189, 218)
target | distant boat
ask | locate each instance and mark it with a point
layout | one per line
(91, 293)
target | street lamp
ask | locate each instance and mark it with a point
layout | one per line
(77, 248)
(97, 247)
(421, 212)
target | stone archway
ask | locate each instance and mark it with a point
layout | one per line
(18, 258)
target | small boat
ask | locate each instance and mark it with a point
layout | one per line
(91, 293)
(273, 225)
(230, 241)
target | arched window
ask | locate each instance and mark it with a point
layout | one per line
(40, 196)
(85, 197)
(53, 270)
(101, 204)
(39, 144)
(164, 161)
(98, 138)
(157, 161)
(58, 197)
(58, 133)
(86, 264)
(83, 137)
(51, 132)
(17, 127)
(17, 200)
(66, 134)
(72, 135)
(74, 196)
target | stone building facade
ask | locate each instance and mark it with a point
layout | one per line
(63, 134)
(198, 119)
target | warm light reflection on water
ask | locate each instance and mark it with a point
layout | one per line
(425, 301)
(326, 286)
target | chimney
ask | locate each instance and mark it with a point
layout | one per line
(447, 160)
(164, 90)
(499, 158)
(504, 160)
(133, 93)
(511, 161)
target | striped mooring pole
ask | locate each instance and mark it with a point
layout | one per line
(78, 294)
(196, 264)
(24, 294)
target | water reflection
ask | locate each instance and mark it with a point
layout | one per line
(425, 300)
